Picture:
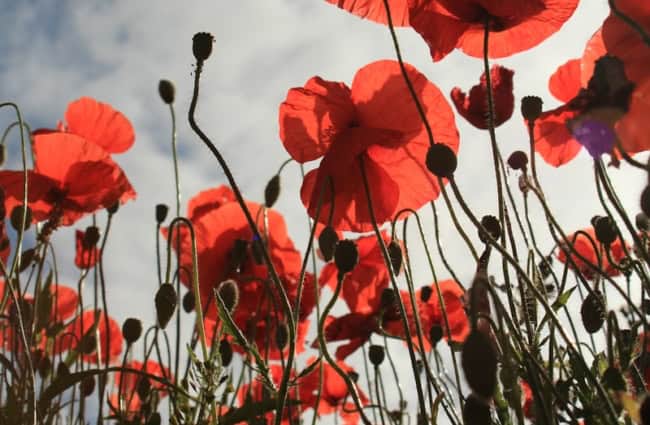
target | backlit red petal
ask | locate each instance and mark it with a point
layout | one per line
(565, 83)
(374, 10)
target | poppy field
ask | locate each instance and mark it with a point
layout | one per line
(533, 323)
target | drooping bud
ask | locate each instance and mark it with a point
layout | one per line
(281, 335)
(642, 222)
(606, 230)
(376, 354)
(225, 351)
(272, 191)
(16, 217)
(346, 255)
(166, 301)
(91, 237)
(327, 242)
(161, 212)
(613, 379)
(593, 311)
(167, 91)
(531, 107)
(518, 160)
(435, 334)
(492, 226)
(395, 254)
(476, 412)
(479, 362)
(202, 45)
(88, 343)
(441, 160)
(87, 386)
(131, 330)
(113, 208)
(189, 302)
(425, 293)
(228, 291)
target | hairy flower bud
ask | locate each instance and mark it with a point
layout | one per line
(476, 411)
(161, 213)
(87, 386)
(91, 237)
(479, 362)
(435, 334)
(16, 217)
(531, 107)
(593, 311)
(605, 229)
(642, 222)
(272, 191)
(441, 160)
(202, 45)
(225, 351)
(327, 242)
(131, 330)
(228, 291)
(167, 91)
(346, 255)
(189, 302)
(425, 293)
(166, 301)
(395, 254)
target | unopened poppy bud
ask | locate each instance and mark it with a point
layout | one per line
(435, 334)
(476, 411)
(593, 311)
(131, 330)
(425, 293)
(113, 208)
(87, 386)
(376, 354)
(16, 218)
(606, 230)
(531, 107)
(387, 299)
(44, 366)
(327, 242)
(189, 302)
(161, 213)
(27, 257)
(228, 291)
(479, 362)
(395, 254)
(143, 388)
(167, 91)
(644, 410)
(346, 255)
(166, 301)
(642, 222)
(88, 344)
(225, 351)
(491, 224)
(91, 237)
(281, 335)
(272, 191)
(441, 160)
(613, 379)
(202, 45)
(62, 370)
(518, 160)
(354, 376)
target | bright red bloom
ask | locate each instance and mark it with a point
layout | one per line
(474, 107)
(586, 249)
(375, 10)
(86, 256)
(128, 381)
(376, 121)
(527, 405)
(65, 302)
(93, 320)
(515, 25)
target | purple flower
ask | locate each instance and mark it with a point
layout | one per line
(597, 137)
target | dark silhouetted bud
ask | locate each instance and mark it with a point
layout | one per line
(395, 254)
(189, 302)
(131, 330)
(492, 226)
(388, 298)
(441, 160)
(346, 255)
(518, 160)
(154, 419)
(644, 410)
(476, 412)
(167, 91)
(88, 344)
(606, 230)
(113, 208)
(16, 217)
(228, 291)
(642, 222)
(202, 45)
(161, 212)
(62, 370)
(645, 200)
(354, 376)
(531, 107)
(272, 191)
(27, 257)
(425, 293)
(87, 386)
(257, 249)
(44, 366)
(238, 253)
(143, 387)
(435, 334)
(91, 237)
(646, 306)
(225, 351)
(281, 335)
(327, 242)
(166, 301)
(479, 362)
(593, 311)
(376, 354)
(613, 379)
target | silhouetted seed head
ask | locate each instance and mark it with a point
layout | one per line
(154, 419)
(238, 253)
(475, 411)
(388, 298)
(435, 334)
(91, 237)
(613, 379)
(346, 255)
(644, 410)
(131, 330)
(281, 335)
(376, 354)
(606, 230)
(113, 208)
(202, 45)
(3, 154)
(354, 376)
(88, 343)
(16, 217)
(642, 222)
(479, 362)
(228, 291)
(425, 293)
(167, 91)
(143, 387)
(327, 242)
(531, 107)
(87, 386)
(166, 301)
(62, 370)
(518, 160)
(189, 302)
(593, 311)
(441, 160)
(395, 254)
(225, 351)
(492, 226)
(161, 212)
(272, 191)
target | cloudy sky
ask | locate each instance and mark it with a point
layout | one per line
(55, 52)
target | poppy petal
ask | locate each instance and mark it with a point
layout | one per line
(39, 189)
(57, 152)
(439, 29)
(553, 140)
(632, 128)
(565, 83)
(374, 10)
(209, 200)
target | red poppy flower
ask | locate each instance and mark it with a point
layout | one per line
(128, 381)
(377, 121)
(86, 255)
(527, 395)
(65, 302)
(515, 25)
(474, 107)
(71, 178)
(375, 10)
(93, 320)
(585, 248)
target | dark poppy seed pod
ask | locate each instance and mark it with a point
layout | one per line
(531, 107)
(613, 379)
(476, 411)
(202, 45)
(479, 362)
(238, 253)
(645, 200)
(376, 354)
(492, 226)
(189, 302)
(441, 160)
(327, 242)
(161, 212)
(16, 217)
(143, 388)
(91, 237)
(225, 351)
(642, 222)
(62, 370)
(425, 293)
(131, 330)
(593, 311)
(167, 91)
(354, 376)
(395, 254)
(346, 255)
(272, 191)
(228, 291)
(154, 419)
(644, 410)
(281, 335)
(606, 230)
(435, 334)
(113, 208)
(87, 386)
(518, 160)
(166, 301)
(88, 344)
